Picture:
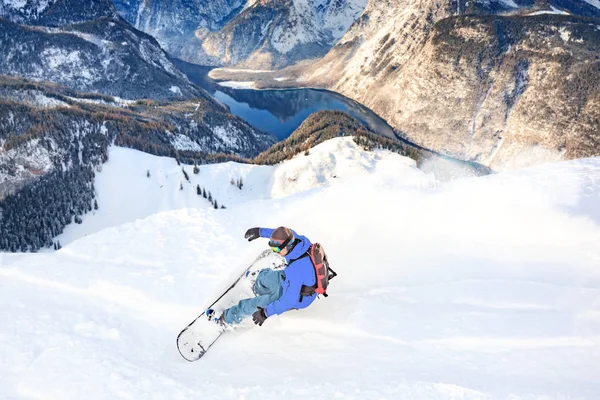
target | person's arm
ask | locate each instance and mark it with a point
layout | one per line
(265, 232)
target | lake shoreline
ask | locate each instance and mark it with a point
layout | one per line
(281, 109)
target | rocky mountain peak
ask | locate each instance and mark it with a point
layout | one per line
(259, 33)
(505, 83)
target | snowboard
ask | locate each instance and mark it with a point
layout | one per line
(194, 340)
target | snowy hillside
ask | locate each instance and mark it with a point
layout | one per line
(125, 193)
(483, 288)
(86, 46)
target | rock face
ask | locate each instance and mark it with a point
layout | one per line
(180, 25)
(503, 90)
(257, 34)
(88, 47)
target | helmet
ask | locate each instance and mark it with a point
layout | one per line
(281, 238)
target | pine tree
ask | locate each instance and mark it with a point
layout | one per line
(180, 185)
(232, 182)
(198, 190)
(148, 174)
(196, 169)
(95, 204)
(222, 207)
(58, 246)
(187, 177)
(216, 205)
(240, 184)
(210, 197)
(204, 193)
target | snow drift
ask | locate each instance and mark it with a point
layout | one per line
(482, 288)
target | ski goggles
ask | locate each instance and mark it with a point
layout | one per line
(277, 246)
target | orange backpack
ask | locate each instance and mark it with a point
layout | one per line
(323, 273)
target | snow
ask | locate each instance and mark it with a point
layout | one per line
(242, 70)
(176, 90)
(69, 63)
(57, 57)
(117, 101)
(480, 288)
(182, 142)
(227, 134)
(156, 57)
(595, 3)
(553, 11)
(96, 40)
(31, 161)
(249, 3)
(238, 85)
(124, 102)
(15, 4)
(509, 3)
(285, 40)
(327, 164)
(44, 101)
(565, 34)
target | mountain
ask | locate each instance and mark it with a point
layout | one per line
(257, 34)
(502, 83)
(484, 288)
(53, 140)
(55, 12)
(325, 125)
(180, 25)
(88, 47)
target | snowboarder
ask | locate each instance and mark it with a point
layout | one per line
(276, 291)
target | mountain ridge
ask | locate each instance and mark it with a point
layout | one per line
(502, 90)
(259, 34)
(52, 137)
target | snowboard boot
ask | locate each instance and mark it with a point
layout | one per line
(216, 319)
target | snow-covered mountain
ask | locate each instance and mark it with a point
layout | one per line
(180, 25)
(502, 83)
(505, 91)
(483, 288)
(88, 47)
(53, 139)
(55, 12)
(258, 34)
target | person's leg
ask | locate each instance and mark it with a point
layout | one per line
(268, 282)
(267, 289)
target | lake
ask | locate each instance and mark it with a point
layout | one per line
(280, 112)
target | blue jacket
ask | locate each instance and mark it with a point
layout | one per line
(297, 273)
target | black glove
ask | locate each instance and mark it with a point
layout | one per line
(259, 317)
(252, 233)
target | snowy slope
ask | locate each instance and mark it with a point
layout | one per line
(483, 288)
(124, 192)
